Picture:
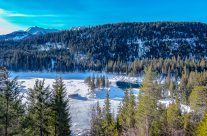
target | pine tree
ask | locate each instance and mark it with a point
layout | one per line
(60, 106)
(11, 107)
(92, 85)
(172, 88)
(183, 86)
(103, 82)
(132, 108)
(123, 116)
(108, 123)
(39, 110)
(174, 117)
(198, 99)
(193, 80)
(158, 126)
(147, 105)
(96, 121)
(126, 114)
(167, 81)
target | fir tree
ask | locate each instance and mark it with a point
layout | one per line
(39, 110)
(172, 88)
(92, 85)
(183, 86)
(198, 99)
(126, 114)
(174, 117)
(158, 126)
(167, 81)
(108, 124)
(96, 121)
(123, 116)
(11, 107)
(147, 104)
(60, 106)
(132, 108)
(103, 82)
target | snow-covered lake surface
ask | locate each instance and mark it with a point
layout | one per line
(53, 75)
(81, 104)
(82, 100)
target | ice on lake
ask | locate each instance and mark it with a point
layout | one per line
(81, 100)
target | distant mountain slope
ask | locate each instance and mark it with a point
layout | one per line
(39, 31)
(128, 41)
(19, 35)
(101, 44)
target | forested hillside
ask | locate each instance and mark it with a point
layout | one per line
(95, 48)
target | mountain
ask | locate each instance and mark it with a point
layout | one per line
(128, 41)
(40, 31)
(97, 46)
(19, 35)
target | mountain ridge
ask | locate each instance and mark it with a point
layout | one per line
(31, 31)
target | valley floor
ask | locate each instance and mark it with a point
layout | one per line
(81, 98)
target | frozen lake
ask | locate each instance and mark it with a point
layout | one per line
(82, 100)
(81, 104)
(53, 75)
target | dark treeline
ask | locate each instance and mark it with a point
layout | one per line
(97, 82)
(94, 48)
(146, 116)
(45, 113)
(174, 65)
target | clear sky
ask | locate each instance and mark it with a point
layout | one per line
(63, 14)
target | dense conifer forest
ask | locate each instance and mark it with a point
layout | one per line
(112, 47)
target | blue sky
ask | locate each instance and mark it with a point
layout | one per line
(63, 14)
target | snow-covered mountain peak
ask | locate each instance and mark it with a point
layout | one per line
(32, 28)
(18, 35)
(38, 30)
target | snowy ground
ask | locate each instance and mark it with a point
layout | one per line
(82, 102)
(166, 102)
